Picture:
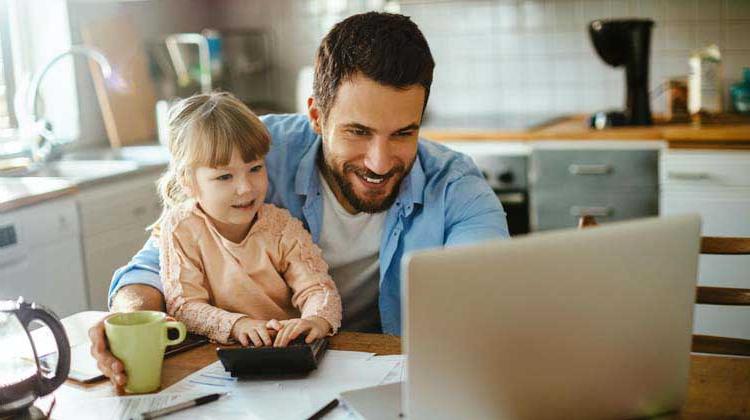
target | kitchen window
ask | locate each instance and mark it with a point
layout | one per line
(8, 120)
(23, 51)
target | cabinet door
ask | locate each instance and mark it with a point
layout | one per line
(725, 212)
(105, 253)
(114, 218)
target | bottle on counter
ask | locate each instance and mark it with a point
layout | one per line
(740, 93)
(704, 83)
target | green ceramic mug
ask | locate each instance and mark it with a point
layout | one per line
(138, 339)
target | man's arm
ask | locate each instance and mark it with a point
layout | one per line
(143, 270)
(137, 297)
(473, 212)
(134, 287)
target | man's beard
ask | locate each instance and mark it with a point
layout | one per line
(347, 189)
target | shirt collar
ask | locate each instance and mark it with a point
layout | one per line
(412, 188)
(306, 180)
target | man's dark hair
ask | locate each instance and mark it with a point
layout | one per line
(387, 48)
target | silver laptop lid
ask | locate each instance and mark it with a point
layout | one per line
(570, 324)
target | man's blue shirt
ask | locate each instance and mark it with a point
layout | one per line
(442, 201)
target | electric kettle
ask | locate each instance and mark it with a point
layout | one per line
(21, 379)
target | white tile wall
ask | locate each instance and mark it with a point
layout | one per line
(542, 57)
(516, 56)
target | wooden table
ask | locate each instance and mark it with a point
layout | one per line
(719, 386)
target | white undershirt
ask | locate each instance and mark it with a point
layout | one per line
(351, 244)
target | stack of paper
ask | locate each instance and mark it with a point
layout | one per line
(268, 398)
(285, 398)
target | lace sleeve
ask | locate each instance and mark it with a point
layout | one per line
(185, 288)
(303, 268)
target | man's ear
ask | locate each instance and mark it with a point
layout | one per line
(314, 115)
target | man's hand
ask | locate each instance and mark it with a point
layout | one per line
(110, 366)
(131, 298)
(292, 328)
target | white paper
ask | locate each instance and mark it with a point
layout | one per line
(116, 408)
(296, 398)
(352, 355)
(398, 373)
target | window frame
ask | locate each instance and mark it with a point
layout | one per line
(7, 59)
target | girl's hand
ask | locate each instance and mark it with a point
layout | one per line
(251, 331)
(292, 328)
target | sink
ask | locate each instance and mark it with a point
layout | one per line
(144, 155)
(86, 166)
(80, 170)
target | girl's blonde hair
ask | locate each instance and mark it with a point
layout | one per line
(204, 130)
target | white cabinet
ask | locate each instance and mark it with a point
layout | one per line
(717, 186)
(40, 256)
(114, 217)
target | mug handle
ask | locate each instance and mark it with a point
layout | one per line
(47, 385)
(180, 327)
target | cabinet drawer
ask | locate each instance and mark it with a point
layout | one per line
(559, 209)
(129, 203)
(691, 169)
(594, 170)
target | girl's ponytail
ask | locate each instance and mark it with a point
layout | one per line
(170, 192)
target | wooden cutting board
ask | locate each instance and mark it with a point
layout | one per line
(127, 99)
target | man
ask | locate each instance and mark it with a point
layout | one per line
(354, 171)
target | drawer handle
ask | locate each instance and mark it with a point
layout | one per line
(511, 198)
(577, 169)
(688, 176)
(578, 211)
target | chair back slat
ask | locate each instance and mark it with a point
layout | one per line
(722, 296)
(713, 245)
(720, 345)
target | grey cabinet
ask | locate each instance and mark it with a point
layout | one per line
(606, 180)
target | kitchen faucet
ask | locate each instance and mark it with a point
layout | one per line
(43, 147)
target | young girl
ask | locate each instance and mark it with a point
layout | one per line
(231, 265)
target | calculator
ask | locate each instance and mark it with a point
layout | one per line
(298, 358)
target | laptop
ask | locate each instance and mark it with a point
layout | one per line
(594, 323)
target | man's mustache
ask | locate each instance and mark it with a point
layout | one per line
(364, 172)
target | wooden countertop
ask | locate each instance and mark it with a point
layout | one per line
(732, 132)
(719, 386)
(19, 192)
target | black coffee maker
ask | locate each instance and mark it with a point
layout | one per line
(625, 42)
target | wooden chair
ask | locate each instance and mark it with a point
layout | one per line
(705, 295)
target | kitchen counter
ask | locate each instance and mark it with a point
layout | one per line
(80, 170)
(734, 133)
(20, 192)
